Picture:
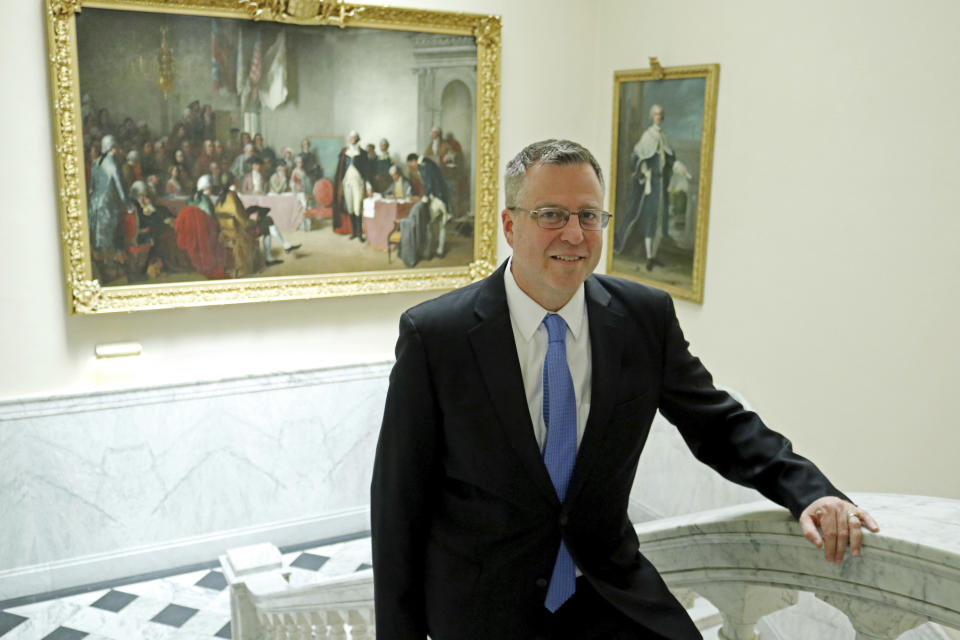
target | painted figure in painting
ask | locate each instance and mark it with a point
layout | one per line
(400, 186)
(435, 193)
(106, 199)
(353, 181)
(437, 148)
(651, 163)
(238, 234)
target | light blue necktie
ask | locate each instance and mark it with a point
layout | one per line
(560, 451)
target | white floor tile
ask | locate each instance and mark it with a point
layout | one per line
(206, 623)
(43, 617)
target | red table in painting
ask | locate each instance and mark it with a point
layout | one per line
(286, 212)
(385, 214)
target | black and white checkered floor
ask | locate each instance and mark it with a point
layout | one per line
(188, 606)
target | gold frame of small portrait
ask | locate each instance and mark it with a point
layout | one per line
(687, 280)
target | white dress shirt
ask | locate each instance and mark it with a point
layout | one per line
(530, 337)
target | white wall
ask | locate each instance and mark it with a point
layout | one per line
(831, 272)
(832, 268)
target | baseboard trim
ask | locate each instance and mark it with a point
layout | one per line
(33, 583)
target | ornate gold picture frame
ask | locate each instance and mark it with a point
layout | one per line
(663, 129)
(163, 205)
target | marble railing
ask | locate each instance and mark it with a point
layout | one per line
(748, 561)
(751, 560)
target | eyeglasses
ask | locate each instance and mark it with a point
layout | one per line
(557, 217)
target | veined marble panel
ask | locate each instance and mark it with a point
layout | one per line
(671, 482)
(103, 473)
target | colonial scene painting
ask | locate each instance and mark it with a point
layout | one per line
(225, 149)
(662, 154)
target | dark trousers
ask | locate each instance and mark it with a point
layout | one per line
(587, 616)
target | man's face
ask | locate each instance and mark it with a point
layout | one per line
(656, 115)
(550, 264)
(383, 147)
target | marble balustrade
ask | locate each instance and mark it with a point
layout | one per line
(748, 561)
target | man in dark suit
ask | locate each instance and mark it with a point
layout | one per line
(503, 470)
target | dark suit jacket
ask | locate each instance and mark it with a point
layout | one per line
(465, 520)
(433, 183)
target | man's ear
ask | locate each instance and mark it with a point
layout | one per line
(507, 217)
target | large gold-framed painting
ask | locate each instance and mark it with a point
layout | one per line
(663, 129)
(222, 151)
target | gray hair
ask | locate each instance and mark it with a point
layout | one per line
(559, 152)
(108, 142)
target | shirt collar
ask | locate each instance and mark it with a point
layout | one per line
(527, 314)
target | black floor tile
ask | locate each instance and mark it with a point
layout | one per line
(309, 561)
(174, 615)
(114, 600)
(363, 566)
(8, 621)
(65, 633)
(213, 580)
(224, 633)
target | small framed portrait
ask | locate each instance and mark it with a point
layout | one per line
(226, 151)
(663, 130)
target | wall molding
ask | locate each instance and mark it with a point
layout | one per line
(40, 406)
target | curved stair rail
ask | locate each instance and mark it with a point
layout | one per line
(747, 561)
(269, 602)
(750, 560)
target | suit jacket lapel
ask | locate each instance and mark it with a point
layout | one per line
(496, 355)
(606, 345)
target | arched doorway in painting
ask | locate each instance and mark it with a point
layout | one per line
(456, 121)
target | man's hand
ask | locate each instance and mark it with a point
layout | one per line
(839, 521)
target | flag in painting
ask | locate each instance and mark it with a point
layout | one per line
(241, 64)
(255, 62)
(274, 91)
(222, 59)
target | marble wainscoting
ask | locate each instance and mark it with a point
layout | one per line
(104, 486)
(671, 482)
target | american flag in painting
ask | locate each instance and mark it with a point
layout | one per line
(222, 58)
(255, 63)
